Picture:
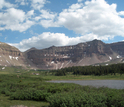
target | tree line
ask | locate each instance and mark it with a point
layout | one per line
(91, 70)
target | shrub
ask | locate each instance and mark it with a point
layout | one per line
(31, 94)
(40, 95)
(1, 80)
(77, 99)
(115, 99)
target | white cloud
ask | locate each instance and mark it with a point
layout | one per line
(22, 2)
(48, 23)
(80, 0)
(47, 19)
(21, 27)
(38, 4)
(93, 19)
(3, 3)
(37, 18)
(74, 7)
(47, 15)
(48, 39)
(19, 20)
(96, 17)
(15, 19)
(121, 13)
(30, 13)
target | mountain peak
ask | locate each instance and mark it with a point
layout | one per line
(52, 46)
(97, 41)
(82, 54)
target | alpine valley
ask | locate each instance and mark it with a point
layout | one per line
(88, 53)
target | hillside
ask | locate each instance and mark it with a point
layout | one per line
(82, 54)
(10, 56)
(88, 53)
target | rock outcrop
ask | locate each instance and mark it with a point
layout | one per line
(118, 48)
(10, 56)
(82, 54)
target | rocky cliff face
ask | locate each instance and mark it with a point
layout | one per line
(82, 54)
(77, 55)
(118, 48)
(6, 49)
(10, 56)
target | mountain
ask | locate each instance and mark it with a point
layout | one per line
(82, 54)
(10, 56)
(88, 53)
(118, 48)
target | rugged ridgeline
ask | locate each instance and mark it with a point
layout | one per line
(82, 54)
(118, 48)
(10, 56)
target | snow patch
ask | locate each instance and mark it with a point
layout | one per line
(10, 57)
(66, 56)
(118, 56)
(3, 68)
(110, 58)
(52, 62)
(16, 58)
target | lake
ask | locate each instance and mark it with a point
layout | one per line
(116, 84)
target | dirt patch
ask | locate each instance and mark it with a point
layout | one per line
(19, 106)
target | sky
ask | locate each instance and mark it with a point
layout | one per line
(44, 23)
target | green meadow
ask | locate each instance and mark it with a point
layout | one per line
(28, 88)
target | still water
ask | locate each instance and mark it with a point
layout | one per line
(116, 84)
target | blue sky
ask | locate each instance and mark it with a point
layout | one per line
(43, 23)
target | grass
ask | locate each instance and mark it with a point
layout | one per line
(47, 75)
(29, 79)
(85, 77)
(12, 70)
(5, 102)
